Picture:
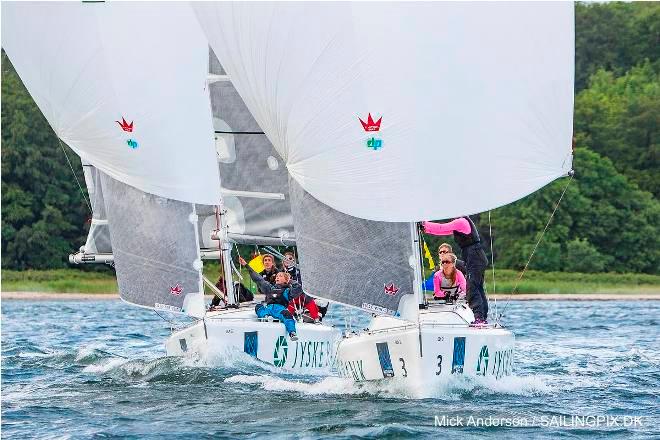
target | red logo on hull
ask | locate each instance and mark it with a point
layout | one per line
(176, 290)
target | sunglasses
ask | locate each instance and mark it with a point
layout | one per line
(447, 262)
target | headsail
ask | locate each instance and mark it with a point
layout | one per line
(155, 247)
(254, 177)
(350, 260)
(466, 107)
(123, 84)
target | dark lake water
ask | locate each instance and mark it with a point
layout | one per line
(96, 369)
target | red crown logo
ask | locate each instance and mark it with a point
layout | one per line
(391, 289)
(176, 290)
(370, 125)
(125, 125)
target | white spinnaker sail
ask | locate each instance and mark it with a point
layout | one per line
(123, 84)
(476, 99)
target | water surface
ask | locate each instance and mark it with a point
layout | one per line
(97, 369)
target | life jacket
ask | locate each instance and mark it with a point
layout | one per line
(294, 272)
(447, 287)
(278, 295)
(269, 275)
(466, 240)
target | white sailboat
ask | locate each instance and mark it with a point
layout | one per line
(126, 86)
(464, 108)
(256, 211)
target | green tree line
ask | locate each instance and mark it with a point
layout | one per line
(43, 213)
(609, 218)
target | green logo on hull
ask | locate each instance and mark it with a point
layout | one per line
(281, 350)
(482, 364)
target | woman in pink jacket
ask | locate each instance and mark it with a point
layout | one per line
(448, 280)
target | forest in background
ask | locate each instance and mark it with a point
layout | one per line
(608, 221)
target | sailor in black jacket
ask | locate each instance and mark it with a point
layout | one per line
(270, 270)
(277, 298)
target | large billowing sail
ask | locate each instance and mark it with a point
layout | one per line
(124, 85)
(350, 260)
(465, 107)
(254, 178)
(98, 237)
(155, 247)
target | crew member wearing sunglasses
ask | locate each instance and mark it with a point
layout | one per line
(448, 280)
(444, 249)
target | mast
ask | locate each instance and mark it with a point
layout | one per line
(225, 253)
(409, 306)
(417, 264)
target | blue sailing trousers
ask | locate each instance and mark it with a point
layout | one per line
(278, 312)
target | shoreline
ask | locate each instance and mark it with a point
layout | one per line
(52, 296)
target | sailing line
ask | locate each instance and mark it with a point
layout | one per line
(89, 205)
(571, 174)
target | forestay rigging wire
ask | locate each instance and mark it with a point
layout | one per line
(222, 263)
(492, 254)
(571, 174)
(420, 246)
(492, 262)
(89, 205)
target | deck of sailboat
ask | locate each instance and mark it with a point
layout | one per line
(436, 315)
(244, 310)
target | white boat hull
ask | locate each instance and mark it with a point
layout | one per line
(441, 345)
(229, 331)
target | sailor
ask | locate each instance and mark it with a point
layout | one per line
(277, 298)
(448, 282)
(466, 235)
(270, 270)
(290, 266)
(304, 301)
(445, 248)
